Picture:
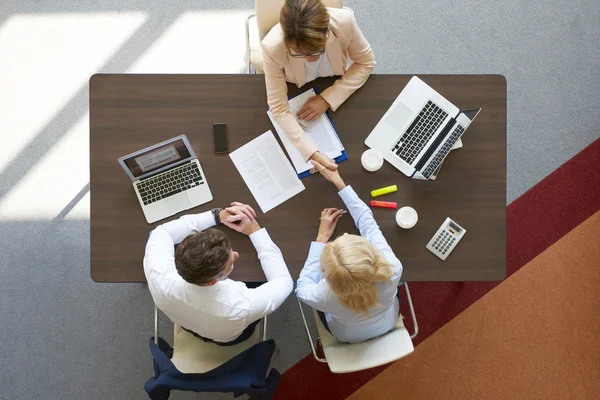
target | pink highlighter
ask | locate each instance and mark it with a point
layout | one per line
(383, 204)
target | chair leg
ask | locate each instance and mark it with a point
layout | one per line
(412, 312)
(310, 341)
(155, 325)
(264, 329)
(248, 42)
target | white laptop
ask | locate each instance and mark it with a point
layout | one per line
(167, 178)
(419, 130)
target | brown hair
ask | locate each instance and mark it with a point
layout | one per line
(200, 257)
(351, 266)
(304, 24)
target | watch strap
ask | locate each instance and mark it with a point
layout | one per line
(217, 215)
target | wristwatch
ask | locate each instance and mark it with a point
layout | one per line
(217, 214)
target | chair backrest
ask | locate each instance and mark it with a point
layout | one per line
(192, 355)
(267, 13)
(346, 357)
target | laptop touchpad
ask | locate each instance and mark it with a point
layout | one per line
(398, 116)
(178, 202)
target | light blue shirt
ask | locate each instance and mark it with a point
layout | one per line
(346, 324)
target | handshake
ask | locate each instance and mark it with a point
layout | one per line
(240, 217)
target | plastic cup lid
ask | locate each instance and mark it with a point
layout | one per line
(406, 216)
(372, 159)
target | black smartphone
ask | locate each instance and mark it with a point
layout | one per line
(221, 139)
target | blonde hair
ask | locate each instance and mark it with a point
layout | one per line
(304, 24)
(352, 265)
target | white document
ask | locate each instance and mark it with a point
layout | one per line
(319, 131)
(266, 171)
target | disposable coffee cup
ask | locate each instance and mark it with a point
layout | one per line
(407, 217)
(372, 160)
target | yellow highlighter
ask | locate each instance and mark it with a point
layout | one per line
(385, 190)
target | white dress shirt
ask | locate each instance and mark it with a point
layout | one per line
(318, 69)
(346, 324)
(220, 312)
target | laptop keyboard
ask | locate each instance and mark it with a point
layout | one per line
(443, 151)
(170, 183)
(419, 132)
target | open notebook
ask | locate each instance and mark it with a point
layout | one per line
(321, 131)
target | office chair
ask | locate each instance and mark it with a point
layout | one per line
(350, 357)
(195, 365)
(260, 23)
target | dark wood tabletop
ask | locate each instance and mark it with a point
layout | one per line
(130, 112)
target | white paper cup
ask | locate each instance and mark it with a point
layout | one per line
(407, 217)
(372, 160)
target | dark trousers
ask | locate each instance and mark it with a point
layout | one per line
(245, 335)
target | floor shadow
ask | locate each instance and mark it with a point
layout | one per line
(46, 139)
(73, 202)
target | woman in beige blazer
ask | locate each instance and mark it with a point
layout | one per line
(312, 41)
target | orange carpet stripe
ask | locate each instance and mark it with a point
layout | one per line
(535, 336)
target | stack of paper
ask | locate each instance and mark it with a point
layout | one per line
(320, 131)
(266, 171)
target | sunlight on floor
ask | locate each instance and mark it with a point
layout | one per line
(51, 59)
(54, 181)
(46, 60)
(199, 42)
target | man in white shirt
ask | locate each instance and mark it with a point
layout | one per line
(190, 284)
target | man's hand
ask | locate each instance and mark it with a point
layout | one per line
(224, 215)
(313, 108)
(332, 176)
(324, 160)
(237, 211)
(329, 220)
(241, 218)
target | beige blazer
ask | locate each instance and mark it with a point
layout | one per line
(345, 41)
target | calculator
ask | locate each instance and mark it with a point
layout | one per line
(446, 238)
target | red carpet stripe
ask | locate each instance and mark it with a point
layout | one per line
(535, 221)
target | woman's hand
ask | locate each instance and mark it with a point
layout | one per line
(324, 160)
(313, 108)
(332, 176)
(329, 220)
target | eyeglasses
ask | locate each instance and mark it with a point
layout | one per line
(316, 53)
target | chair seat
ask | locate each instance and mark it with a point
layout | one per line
(193, 355)
(350, 357)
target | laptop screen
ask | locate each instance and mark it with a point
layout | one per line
(155, 158)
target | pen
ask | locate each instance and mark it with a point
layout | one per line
(343, 212)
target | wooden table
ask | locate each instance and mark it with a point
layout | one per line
(130, 112)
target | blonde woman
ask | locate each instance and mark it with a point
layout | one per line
(352, 281)
(313, 41)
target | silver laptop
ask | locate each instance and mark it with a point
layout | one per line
(419, 130)
(167, 178)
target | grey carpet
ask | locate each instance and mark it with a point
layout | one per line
(65, 337)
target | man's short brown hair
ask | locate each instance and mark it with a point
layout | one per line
(304, 24)
(201, 256)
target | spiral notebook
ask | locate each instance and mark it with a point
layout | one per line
(321, 131)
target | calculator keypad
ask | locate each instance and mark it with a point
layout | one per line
(443, 242)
